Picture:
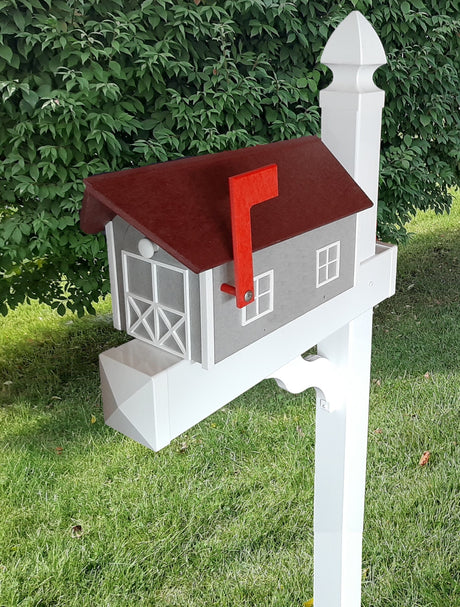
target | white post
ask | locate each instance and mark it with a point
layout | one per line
(351, 113)
(351, 118)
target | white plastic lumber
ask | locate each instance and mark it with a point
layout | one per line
(351, 113)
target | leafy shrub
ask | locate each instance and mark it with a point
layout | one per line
(98, 86)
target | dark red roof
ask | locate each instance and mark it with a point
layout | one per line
(184, 207)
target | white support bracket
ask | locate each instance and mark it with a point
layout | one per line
(310, 372)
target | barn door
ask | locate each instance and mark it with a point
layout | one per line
(157, 303)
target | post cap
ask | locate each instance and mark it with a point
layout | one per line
(354, 42)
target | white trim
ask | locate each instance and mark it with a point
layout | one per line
(327, 265)
(257, 299)
(187, 317)
(207, 319)
(156, 310)
(116, 313)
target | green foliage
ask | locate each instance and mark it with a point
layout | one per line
(97, 86)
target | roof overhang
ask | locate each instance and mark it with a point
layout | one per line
(184, 205)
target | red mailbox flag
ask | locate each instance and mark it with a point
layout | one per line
(247, 190)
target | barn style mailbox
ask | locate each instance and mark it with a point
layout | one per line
(226, 268)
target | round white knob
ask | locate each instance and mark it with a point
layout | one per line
(147, 248)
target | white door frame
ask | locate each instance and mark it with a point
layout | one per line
(156, 317)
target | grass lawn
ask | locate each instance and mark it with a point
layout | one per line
(223, 516)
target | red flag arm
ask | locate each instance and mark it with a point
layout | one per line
(247, 190)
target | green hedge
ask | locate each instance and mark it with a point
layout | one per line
(97, 86)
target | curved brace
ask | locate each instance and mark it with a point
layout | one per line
(310, 372)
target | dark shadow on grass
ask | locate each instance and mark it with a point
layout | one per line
(52, 362)
(53, 375)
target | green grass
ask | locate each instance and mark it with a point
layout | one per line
(223, 516)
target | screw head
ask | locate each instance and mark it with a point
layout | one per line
(248, 296)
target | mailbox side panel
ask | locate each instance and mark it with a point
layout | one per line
(294, 275)
(126, 238)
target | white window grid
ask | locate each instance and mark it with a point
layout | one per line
(263, 299)
(327, 263)
(136, 319)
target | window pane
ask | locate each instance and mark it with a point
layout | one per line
(139, 275)
(264, 284)
(264, 303)
(251, 311)
(333, 253)
(322, 275)
(322, 258)
(170, 285)
(333, 270)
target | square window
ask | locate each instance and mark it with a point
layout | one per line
(327, 264)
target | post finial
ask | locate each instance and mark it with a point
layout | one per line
(354, 42)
